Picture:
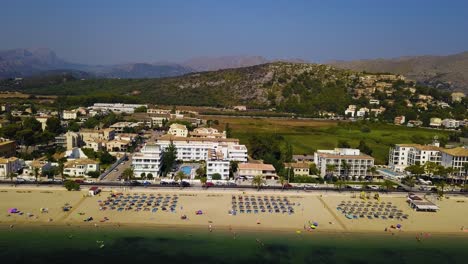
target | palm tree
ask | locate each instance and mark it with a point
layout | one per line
(36, 173)
(465, 168)
(373, 171)
(180, 176)
(339, 184)
(282, 181)
(346, 168)
(128, 174)
(330, 169)
(450, 171)
(441, 188)
(388, 185)
(11, 175)
(410, 181)
(203, 180)
(258, 181)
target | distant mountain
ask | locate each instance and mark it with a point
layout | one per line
(143, 70)
(27, 62)
(224, 62)
(445, 72)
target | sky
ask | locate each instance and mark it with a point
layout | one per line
(114, 31)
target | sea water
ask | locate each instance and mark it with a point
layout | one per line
(160, 245)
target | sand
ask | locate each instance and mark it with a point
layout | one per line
(309, 206)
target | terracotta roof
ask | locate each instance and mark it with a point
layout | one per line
(334, 156)
(459, 152)
(255, 166)
(408, 145)
(73, 163)
(426, 147)
(297, 165)
(174, 138)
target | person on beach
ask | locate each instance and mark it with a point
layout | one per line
(210, 228)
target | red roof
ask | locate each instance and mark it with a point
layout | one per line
(94, 188)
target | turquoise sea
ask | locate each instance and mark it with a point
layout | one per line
(158, 245)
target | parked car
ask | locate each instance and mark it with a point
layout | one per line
(20, 180)
(185, 184)
(287, 185)
(89, 181)
(79, 181)
(208, 184)
(231, 184)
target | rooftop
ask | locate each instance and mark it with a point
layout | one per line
(256, 166)
(174, 138)
(334, 156)
(459, 152)
(297, 165)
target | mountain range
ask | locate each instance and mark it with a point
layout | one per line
(444, 72)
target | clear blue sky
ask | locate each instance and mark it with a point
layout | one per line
(114, 31)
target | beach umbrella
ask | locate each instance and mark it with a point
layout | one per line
(398, 226)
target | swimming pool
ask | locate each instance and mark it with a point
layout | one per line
(186, 169)
(390, 172)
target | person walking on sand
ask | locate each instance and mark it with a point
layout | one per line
(210, 228)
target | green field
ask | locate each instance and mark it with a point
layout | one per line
(306, 136)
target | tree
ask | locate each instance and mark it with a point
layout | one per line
(388, 185)
(233, 167)
(11, 175)
(201, 172)
(53, 125)
(373, 170)
(258, 181)
(216, 176)
(61, 166)
(282, 181)
(203, 180)
(343, 144)
(143, 175)
(465, 168)
(364, 148)
(106, 158)
(71, 186)
(150, 176)
(128, 174)
(410, 181)
(346, 167)
(339, 184)
(180, 176)
(141, 109)
(330, 169)
(441, 188)
(228, 130)
(32, 123)
(415, 169)
(313, 169)
(36, 173)
(430, 168)
(169, 159)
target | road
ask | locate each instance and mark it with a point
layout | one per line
(112, 177)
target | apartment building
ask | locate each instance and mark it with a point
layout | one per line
(450, 123)
(358, 164)
(148, 160)
(421, 154)
(9, 165)
(178, 130)
(455, 158)
(69, 114)
(69, 140)
(216, 163)
(117, 108)
(119, 127)
(7, 148)
(189, 149)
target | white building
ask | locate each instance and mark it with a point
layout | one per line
(80, 167)
(9, 165)
(362, 112)
(455, 158)
(350, 110)
(435, 122)
(207, 132)
(450, 123)
(374, 102)
(216, 163)
(69, 114)
(120, 126)
(359, 164)
(147, 161)
(178, 130)
(116, 108)
(189, 149)
(404, 155)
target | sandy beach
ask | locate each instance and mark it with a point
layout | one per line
(215, 205)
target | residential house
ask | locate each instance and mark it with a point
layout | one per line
(299, 168)
(251, 170)
(399, 120)
(374, 102)
(69, 114)
(435, 122)
(9, 165)
(350, 110)
(450, 123)
(80, 167)
(455, 158)
(303, 158)
(362, 112)
(457, 96)
(178, 130)
(207, 132)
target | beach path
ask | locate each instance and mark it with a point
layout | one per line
(333, 213)
(67, 214)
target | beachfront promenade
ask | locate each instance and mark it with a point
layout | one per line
(263, 210)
